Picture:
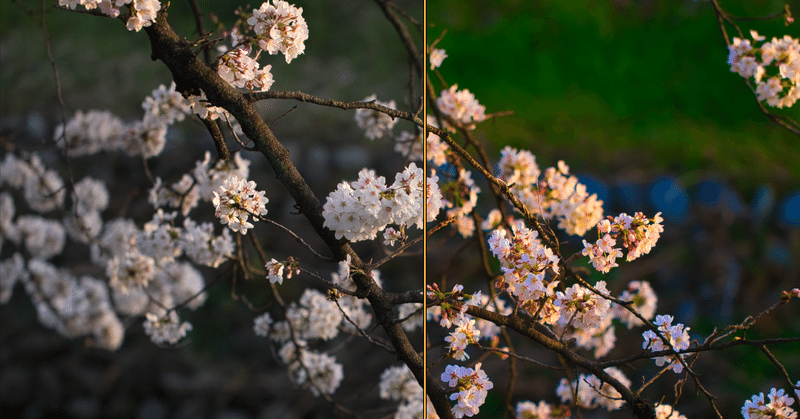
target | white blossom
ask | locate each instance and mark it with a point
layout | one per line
(472, 385)
(319, 372)
(166, 328)
(436, 57)
(44, 238)
(261, 324)
(462, 106)
(678, 337)
(236, 200)
(376, 124)
(280, 27)
(776, 408)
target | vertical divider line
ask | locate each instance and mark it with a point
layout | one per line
(425, 209)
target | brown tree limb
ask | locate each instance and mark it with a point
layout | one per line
(305, 97)
(192, 73)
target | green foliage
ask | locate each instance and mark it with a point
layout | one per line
(597, 81)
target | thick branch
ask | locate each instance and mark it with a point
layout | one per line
(641, 408)
(191, 74)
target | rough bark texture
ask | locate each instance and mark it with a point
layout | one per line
(191, 74)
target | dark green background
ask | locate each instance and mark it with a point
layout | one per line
(616, 85)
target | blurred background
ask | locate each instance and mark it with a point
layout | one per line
(637, 98)
(223, 370)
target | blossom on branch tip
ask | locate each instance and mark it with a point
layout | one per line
(602, 254)
(638, 235)
(472, 385)
(464, 334)
(280, 27)
(236, 200)
(390, 235)
(462, 106)
(436, 57)
(274, 271)
(556, 195)
(774, 67)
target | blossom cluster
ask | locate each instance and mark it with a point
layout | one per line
(359, 210)
(319, 372)
(774, 66)
(642, 298)
(72, 306)
(143, 277)
(529, 271)
(638, 234)
(525, 262)
(464, 334)
(462, 106)
(589, 392)
(557, 195)
(166, 329)
(581, 308)
(199, 184)
(143, 266)
(142, 12)
(460, 196)
(95, 131)
(678, 337)
(776, 408)
(280, 27)
(472, 385)
(576, 312)
(236, 200)
(452, 305)
(398, 383)
(435, 149)
(240, 70)
(376, 124)
(314, 317)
